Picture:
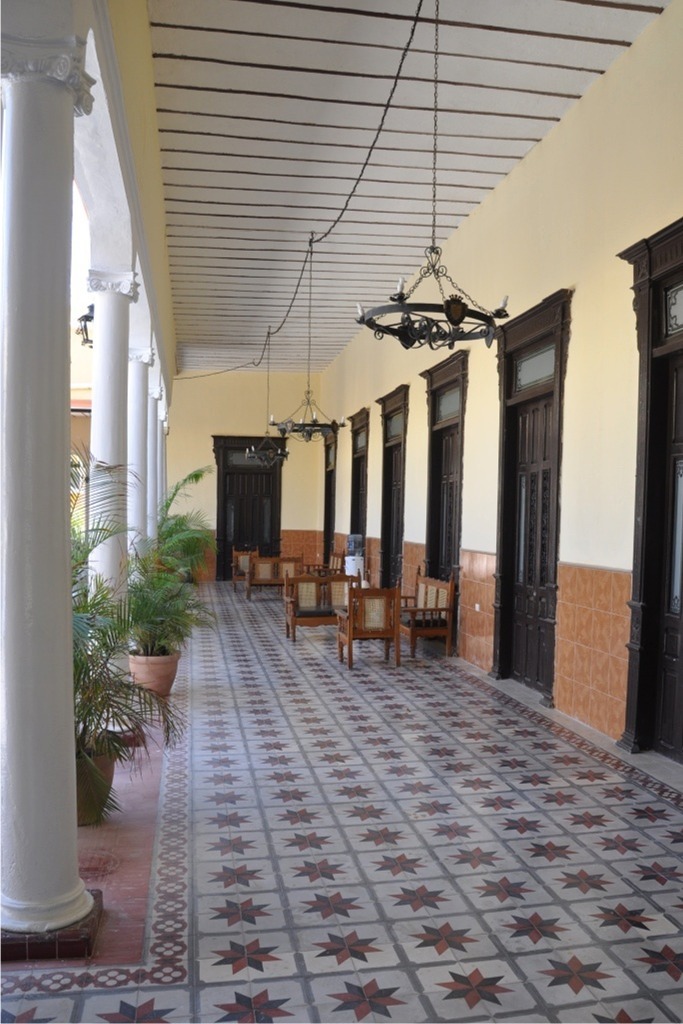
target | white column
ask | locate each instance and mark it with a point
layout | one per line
(153, 494)
(138, 389)
(161, 455)
(114, 293)
(41, 890)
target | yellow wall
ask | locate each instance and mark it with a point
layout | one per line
(235, 403)
(608, 175)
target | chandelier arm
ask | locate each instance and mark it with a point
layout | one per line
(405, 308)
(432, 333)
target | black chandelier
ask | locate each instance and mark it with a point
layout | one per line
(308, 422)
(267, 452)
(458, 317)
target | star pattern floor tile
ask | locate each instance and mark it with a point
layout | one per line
(384, 844)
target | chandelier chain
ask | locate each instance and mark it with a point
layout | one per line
(310, 312)
(267, 379)
(436, 117)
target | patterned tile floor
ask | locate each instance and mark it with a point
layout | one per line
(386, 844)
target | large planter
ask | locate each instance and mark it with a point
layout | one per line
(155, 673)
(89, 809)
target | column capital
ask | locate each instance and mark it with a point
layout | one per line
(119, 282)
(55, 60)
(141, 355)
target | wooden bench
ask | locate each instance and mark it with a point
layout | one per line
(429, 612)
(313, 600)
(272, 571)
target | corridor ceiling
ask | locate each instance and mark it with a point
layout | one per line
(267, 110)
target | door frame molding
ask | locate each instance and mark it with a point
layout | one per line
(653, 259)
(223, 447)
(548, 321)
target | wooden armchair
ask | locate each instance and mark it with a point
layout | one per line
(240, 566)
(429, 612)
(313, 600)
(372, 614)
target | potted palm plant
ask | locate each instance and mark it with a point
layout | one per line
(184, 539)
(163, 606)
(162, 609)
(114, 719)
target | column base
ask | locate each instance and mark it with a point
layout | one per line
(73, 942)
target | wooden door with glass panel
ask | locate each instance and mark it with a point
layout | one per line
(533, 639)
(395, 421)
(669, 728)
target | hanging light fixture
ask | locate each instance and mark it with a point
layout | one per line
(308, 422)
(458, 317)
(267, 452)
(82, 329)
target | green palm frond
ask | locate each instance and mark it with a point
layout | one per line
(113, 716)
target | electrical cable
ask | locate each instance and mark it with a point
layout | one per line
(321, 237)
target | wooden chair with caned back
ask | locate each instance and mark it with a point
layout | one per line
(313, 600)
(337, 561)
(291, 565)
(263, 572)
(240, 566)
(429, 612)
(372, 614)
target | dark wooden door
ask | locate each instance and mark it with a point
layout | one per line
(445, 479)
(533, 630)
(395, 425)
(669, 728)
(359, 494)
(249, 510)
(360, 423)
(330, 497)
(248, 506)
(392, 531)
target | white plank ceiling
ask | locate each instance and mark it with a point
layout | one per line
(267, 109)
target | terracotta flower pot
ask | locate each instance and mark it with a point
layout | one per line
(156, 673)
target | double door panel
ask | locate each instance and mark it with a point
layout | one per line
(446, 530)
(669, 729)
(392, 533)
(251, 513)
(248, 510)
(533, 639)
